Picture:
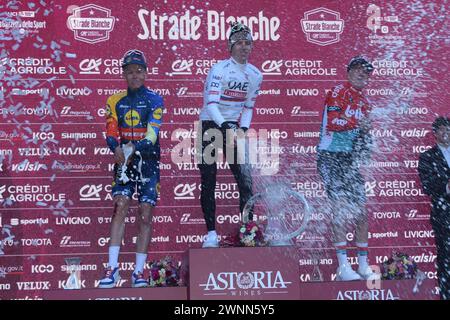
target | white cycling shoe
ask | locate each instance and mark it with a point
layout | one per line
(346, 273)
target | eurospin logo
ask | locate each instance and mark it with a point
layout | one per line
(90, 23)
(300, 67)
(232, 283)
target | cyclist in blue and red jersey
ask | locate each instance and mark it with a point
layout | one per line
(344, 139)
(133, 119)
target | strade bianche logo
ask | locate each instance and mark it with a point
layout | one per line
(91, 23)
(322, 26)
(234, 282)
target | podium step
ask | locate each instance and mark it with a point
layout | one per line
(261, 273)
(160, 293)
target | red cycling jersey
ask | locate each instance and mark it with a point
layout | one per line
(345, 106)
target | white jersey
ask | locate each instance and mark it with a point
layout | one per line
(231, 88)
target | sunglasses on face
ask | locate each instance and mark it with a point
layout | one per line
(134, 51)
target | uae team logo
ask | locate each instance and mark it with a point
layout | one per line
(91, 23)
(322, 26)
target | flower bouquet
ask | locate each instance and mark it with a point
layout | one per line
(164, 273)
(400, 266)
(251, 235)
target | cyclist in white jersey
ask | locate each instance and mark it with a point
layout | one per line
(231, 89)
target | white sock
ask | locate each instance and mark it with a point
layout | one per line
(341, 252)
(140, 261)
(362, 255)
(113, 256)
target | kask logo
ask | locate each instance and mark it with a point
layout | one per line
(91, 23)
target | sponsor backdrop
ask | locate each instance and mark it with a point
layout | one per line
(60, 61)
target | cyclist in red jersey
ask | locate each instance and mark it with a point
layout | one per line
(344, 138)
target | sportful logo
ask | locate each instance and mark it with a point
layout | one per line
(322, 26)
(91, 23)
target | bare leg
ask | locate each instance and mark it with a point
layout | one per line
(362, 227)
(121, 204)
(145, 227)
(340, 221)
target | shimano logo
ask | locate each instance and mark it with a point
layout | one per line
(80, 267)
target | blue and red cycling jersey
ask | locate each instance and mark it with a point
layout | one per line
(345, 107)
(135, 116)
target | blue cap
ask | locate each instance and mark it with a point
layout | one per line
(134, 57)
(360, 60)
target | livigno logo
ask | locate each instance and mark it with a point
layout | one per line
(90, 23)
(322, 26)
